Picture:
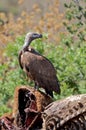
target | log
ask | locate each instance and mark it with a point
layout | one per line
(66, 114)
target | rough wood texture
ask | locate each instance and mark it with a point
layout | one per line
(26, 115)
(34, 103)
(66, 114)
(42, 99)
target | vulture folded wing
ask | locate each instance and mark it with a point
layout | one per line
(42, 67)
(45, 74)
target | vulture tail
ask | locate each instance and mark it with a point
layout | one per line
(57, 88)
(49, 92)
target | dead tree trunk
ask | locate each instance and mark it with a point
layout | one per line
(66, 114)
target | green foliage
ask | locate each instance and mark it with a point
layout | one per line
(75, 46)
(3, 109)
(76, 15)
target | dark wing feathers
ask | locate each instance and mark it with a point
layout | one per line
(19, 58)
(41, 69)
(39, 65)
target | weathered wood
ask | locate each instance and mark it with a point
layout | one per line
(34, 110)
(27, 108)
(66, 114)
(29, 104)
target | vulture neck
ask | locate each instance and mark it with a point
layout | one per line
(26, 45)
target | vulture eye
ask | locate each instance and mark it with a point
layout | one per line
(35, 35)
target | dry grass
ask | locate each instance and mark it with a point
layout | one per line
(49, 22)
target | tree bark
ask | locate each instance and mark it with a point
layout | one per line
(66, 114)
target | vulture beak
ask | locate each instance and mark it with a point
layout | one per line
(40, 35)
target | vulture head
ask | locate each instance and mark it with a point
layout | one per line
(30, 37)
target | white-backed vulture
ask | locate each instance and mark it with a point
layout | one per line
(37, 67)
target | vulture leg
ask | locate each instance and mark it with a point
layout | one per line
(36, 86)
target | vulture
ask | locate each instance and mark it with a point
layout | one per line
(37, 67)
